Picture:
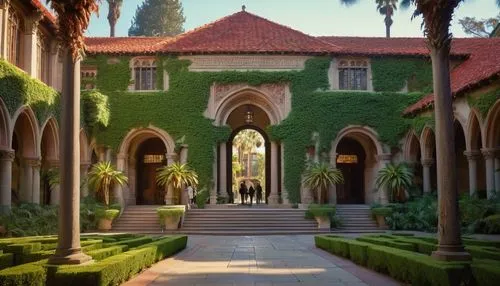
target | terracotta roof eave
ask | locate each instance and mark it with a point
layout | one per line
(189, 53)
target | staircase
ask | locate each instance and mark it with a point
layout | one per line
(248, 221)
(356, 219)
(220, 221)
(138, 219)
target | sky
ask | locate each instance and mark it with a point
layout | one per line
(313, 17)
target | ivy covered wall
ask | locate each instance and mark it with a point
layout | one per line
(179, 111)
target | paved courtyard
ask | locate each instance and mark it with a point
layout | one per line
(257, 260)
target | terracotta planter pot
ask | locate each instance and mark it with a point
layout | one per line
(104, 224)
(381, 221)
(323, 222)
(172, 222)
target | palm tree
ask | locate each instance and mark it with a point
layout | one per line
(397, 178)
(102, 176)
(385, 8)
(178, 175)
(113, 14)
(73, 18)
(318, 176)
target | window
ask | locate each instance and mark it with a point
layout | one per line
(145, 74)
(42, 55)
(353, 74)
(14, 38)
(88, 77)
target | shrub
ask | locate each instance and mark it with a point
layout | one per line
(202, 197)
(388, 242)
(315, 210)
(486, 272)
(420, 214)
(24, 248)
(164, 212)
(420, 245)
(103, 253)
(383, 211)
(492, 224)
(109, 214)
(168, 246)
(6, 260)
(131, 243)
(483, 253)
(26, 274)
(357, 251)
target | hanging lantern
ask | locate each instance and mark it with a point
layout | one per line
(249, 115)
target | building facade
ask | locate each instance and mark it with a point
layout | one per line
(358, 103)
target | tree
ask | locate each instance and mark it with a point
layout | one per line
(102, 176)
(178, 175)
(113, 14)
(479, 28)
(73, 19)
(318, 176)
(397, 178)
(158, 18)
(385, 8)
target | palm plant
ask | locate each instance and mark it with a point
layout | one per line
(113, 14)
(318, 176)
(102, 176)
(397, 178)
(178, 175)
(385, 8)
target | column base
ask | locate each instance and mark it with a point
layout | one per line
(451, 253)
(213, 200)
(274, 199)
(73, 258)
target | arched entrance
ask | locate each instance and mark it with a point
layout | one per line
(461, 160)
(150, 156)
(249, 161)
(413, 157)
(50, 153)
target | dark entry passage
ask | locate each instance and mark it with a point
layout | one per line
(351, 161)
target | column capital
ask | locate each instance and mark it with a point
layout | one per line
(427, 162)
(472, 155)
(7, 155)
(31, 23)
(122, 156)
(85, 163)
(384, 157)
(489, 153)
(53, 163)
(171, 156)
(4, 4)
(33, 162)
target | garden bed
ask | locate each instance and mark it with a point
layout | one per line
(407, 258)
(24, 261)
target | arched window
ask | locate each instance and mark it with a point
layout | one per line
(145, 74)
(42, 55)
(353, 74)
(14, 38)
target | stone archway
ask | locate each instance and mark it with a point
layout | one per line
(474, 143)
(6, 158)
(26, 166)
(357, 150)
(4, 127)
(413, 157)
(127, 160)
(49, 147)
(428, 151)
(268, 105)
(491, 150)
(461, 159)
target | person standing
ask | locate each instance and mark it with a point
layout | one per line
(259, 193)
(242, 192)
(251, 192)
(190, 193)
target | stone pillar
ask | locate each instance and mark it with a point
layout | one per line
(84, 170)
(34, 167)
(332, 190)
(213, 189)
(183, 157)
(284, 193)
(119, 191)
(489, 158)
(472, 157)
(169, 195)
(384, 159)
(68, 244)
(55, 189)
(223, 170)
(426, 167)
(273, 196)
(497, 173)
(6, 159)
(53, 65)
(30, 44)
(4, 19)
(26, 182)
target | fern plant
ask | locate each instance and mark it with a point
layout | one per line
(102, 176)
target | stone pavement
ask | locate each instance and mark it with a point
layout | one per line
(257, 261)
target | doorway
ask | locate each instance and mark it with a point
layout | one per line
(351, 161)
(150, 157)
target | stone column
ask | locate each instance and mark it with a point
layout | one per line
(55, 189)
(35, 165)
(472, 157)
(332, 190)
(223, 170)
(284, 193)
(68, 245)
(426, 167)
(497, 172)
(213, 189)
(4, 18)
(6, 159)
(119, 191)
(84, 170)
(30, 44)
(26, 182)
(273, 196)
(169, 196)
(489, 158)
(384, 159)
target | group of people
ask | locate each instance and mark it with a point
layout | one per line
(249, 193)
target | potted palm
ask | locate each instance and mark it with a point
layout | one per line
(170, 217)
(177, 175)
(318, 177)
(101, 178)
(397, 179)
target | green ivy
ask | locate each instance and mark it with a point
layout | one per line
(485, 101)
(17, 89)
(392, 74)
(113, 72)
(95, 110)
(420, 122)
(179, 112)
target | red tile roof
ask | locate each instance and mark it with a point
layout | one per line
(482, 65)
(47, 15)
(125, 45)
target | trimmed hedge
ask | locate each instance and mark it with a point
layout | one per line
(358, 251)
(167, 246)
(486, 272)
(388, 242)
(384, 211)
(131, 243)
(103, 253)
(23, 248)
(6, 260)
(27, 274)
(483, 253)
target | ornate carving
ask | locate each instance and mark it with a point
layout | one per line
(6, 155)
(489, 153)
(33, 162)
(248, 62)
(472, 155)
(276, 91)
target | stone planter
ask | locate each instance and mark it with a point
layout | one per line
(104, 224)
(172, 222)
(381, 221)
(323, 222)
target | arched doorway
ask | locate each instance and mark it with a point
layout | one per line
(150, 156)
(351, 162)
(252, 161)
(49, 150)
(413, 157)
(461, 160)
